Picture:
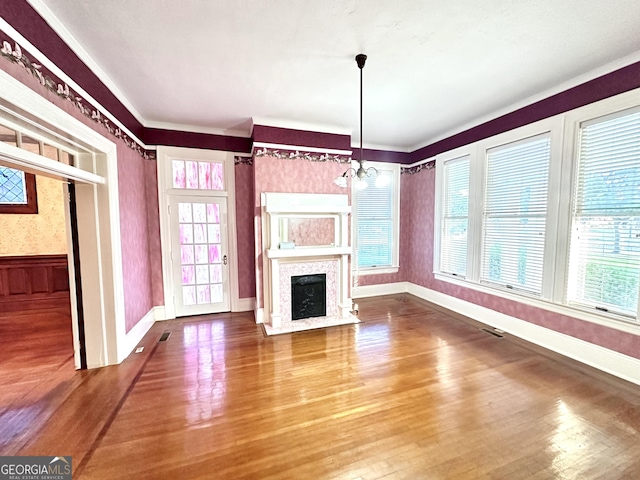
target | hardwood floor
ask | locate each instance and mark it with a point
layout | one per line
(409, 393)
(36, 358)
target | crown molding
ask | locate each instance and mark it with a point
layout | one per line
(179, 127)
(66, 36)
(567, 85)
(55, 70)
(296, 125)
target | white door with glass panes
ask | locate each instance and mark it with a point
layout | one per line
(199, 254)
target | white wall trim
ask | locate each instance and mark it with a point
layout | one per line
(245, 305)
(259, 314)
(419, 162)
(159, 314)
(609, 361)
(137, 333)
(378, 290)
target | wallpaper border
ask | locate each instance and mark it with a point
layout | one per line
(55, 85)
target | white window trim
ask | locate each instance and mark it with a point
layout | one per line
(564, 129)
(395, 252)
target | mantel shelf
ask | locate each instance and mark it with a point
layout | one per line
(307, 252)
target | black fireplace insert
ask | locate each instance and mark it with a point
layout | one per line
(308, 296)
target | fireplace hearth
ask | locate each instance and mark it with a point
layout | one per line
(308, 296)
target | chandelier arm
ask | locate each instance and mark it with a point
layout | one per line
(370, 169)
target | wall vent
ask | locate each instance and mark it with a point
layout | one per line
(492, 332)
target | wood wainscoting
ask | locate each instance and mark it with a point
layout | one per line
(33, 282)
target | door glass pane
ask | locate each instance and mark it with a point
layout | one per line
(189, 295)
(192, 175)
(217, 177)
(214, 233)
(203, 274)
(199, 233)
(179, 175)
(200, 253)
(216, 293)
(205, 175)
(188, 276)
(186, 233)
(184, 214)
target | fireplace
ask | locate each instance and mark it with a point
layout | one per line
(308, 296)
(281, 211)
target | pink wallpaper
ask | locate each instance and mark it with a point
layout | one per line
(273, 174)
(153, 226)
(416, 257)
(136, 268)
(244, 226)
(133, 207)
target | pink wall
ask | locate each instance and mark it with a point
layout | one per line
(416, 247)
(244, 227)
(138, 295)
(134, 234)
(153, 226)
(273, 174)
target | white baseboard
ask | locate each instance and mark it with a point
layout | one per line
(259, 314)
(159, 313)
(378, 290)
(136, 334)
(609, 361)
(244, 305)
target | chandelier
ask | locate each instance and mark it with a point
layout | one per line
(362, 172)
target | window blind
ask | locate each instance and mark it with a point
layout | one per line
(604, 257)
(375, 224)
(455, 217)
(515, 213)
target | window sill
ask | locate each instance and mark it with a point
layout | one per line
(609, 320)
(377, 271)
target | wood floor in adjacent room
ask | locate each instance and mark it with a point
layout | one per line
(409, 393)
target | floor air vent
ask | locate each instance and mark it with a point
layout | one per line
(492, 332)
(164, 337)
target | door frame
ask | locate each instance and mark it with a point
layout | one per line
(164, 157)
(98, 209)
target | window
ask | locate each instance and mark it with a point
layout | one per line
(455, 217)
(17, 192)
(605, 233)
(552, 217)
(515, 214)
(376, 217)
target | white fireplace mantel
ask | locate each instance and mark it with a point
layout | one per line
(330, 259)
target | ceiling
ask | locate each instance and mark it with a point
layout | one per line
(434, 67)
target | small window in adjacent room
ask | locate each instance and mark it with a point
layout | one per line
(376, 217)
(17, 192)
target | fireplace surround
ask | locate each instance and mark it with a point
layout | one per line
(331, 260)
